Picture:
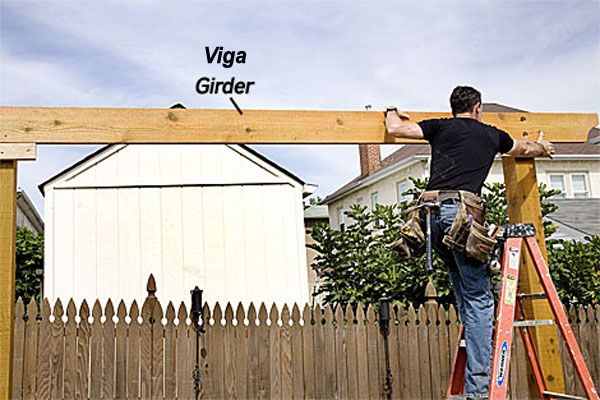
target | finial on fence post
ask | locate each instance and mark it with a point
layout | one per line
(430, 293)
(151, 287)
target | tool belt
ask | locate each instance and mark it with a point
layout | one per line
(468, 232)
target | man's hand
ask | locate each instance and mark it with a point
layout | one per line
(395, 123)
(527, 148)
(547, 147)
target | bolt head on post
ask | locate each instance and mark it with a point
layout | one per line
(196, 304)
(384, 310)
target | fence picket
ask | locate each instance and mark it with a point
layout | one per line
(57, 351)
(330, 360)
(297, 355)
(31, 351)
(70, 371)
(240, 359)
(252, 349)
(361, 351)
(185, 388)
(375, 383)
(18, 347)
(121, 353)
(83, 352)
(96, 352)
(351, 356)
(133, 352)
(170, 354)
(44, 347)
(229, 354)
(308, 352)
(264, 357)
(341, 350)
(108, 352)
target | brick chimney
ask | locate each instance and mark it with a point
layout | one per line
(370, 158)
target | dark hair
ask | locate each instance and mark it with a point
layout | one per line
(463, 98)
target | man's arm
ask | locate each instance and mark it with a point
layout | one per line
(527, 148)
(395, 123)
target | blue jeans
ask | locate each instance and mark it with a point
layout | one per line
(473, 291)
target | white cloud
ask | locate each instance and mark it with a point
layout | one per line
(536, 55)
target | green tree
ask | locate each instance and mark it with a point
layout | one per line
(356, 266)
(30, 256)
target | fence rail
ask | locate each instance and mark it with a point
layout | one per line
(257, 352)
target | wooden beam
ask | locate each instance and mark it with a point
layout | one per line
(523, 199)
(17, 151)
(8, 210)
(130, 125)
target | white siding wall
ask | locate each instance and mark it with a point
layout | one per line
(386, 187)
(238, 242)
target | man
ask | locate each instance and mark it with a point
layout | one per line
(462, 153)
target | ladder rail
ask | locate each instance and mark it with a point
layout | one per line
(531, 352)
(561, 317)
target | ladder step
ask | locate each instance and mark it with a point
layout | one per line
(563, 396)
(533, 322)
(531, 296)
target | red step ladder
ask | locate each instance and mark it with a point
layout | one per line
(510, 305)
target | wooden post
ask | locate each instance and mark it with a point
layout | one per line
(8, 211)
(523, 200)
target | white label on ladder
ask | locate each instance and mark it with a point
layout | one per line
(513, 257)
(511, 290)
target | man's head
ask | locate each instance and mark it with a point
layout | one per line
(466, 100)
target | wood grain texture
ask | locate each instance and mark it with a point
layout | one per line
(17, 151)
(18, 350)
(523, 200)
(31, 351)
(130, 125)
(8, 215)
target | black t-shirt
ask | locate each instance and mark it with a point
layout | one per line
(462, 152)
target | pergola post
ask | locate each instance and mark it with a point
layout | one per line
(523, 200)
(8, 216)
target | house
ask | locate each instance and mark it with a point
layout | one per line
(27, 215)
(313, 215)
(575, 170)
(222, 217)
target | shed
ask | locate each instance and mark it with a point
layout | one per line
(222, 217)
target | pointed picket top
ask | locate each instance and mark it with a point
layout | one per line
(452, 316)
(228, 314)
(45, 311)
(349, 315)
(431, 311)
(430, 293)
(240, 315)
(170, 313)
(328, 315)
(71, 311)
(251, 315)
(182, 314)
(96, 312)
(581, 314)
(442, 317)
(371, 314)
(121, 312)
(206, 314)
(412, 315)
(109, 312)
(134, 312)
(296, 314)
(572, 313)
(422, 315)
(19, 309)
(339, 316)
(360, 315)
(318, 314)
(217, 315)
(274, 315)
(84, 313)
(400, 313)
(32, 310)
(591, 318)
(285, 315)
(157, 313)
(57, 312)
(307, 315)
(262, 314)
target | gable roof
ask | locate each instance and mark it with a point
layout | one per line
(410, 151)
(581, 215)
(103, 149)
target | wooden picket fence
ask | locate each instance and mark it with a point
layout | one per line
(250, 353)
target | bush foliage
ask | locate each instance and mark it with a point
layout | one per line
(355, 266)
(30, 256)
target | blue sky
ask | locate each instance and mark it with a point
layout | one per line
(534, 55)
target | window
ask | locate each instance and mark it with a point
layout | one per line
(579, 185)
(402, 187)
(341, 218)
(557, 182)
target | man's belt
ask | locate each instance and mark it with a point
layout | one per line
(439, 196)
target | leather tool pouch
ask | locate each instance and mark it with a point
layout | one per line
(412, 240)
(468, 232)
